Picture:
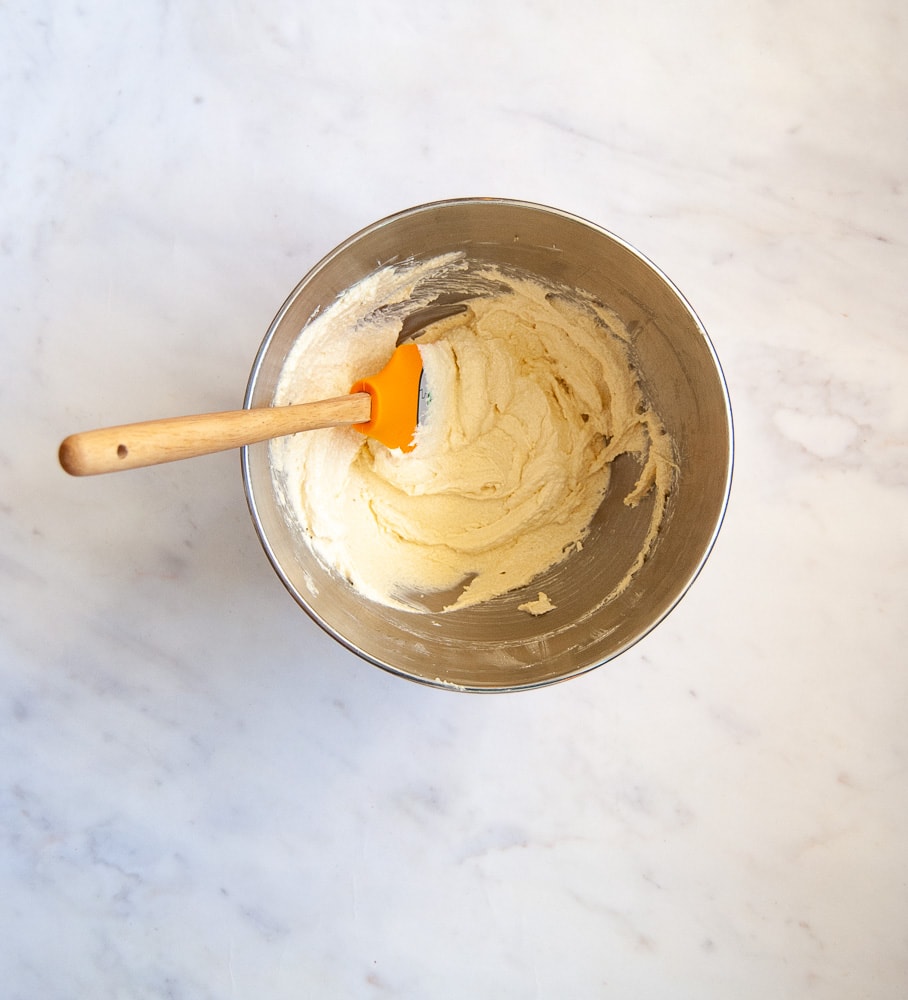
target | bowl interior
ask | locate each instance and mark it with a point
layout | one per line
(493, 646)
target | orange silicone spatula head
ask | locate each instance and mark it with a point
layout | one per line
(395, 399)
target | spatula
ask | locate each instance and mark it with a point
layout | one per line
(384, 406)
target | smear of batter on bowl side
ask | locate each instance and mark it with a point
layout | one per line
(542, 605)
(534, 395)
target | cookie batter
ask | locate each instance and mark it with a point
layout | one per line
(533, 396)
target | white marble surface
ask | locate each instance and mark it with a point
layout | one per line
(201, 794)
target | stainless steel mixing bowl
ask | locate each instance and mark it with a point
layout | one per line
(493, 646)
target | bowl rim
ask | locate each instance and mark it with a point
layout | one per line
(265, 345)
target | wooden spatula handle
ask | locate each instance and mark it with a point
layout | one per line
(133, 446)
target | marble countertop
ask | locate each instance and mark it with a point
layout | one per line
(202, 794)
